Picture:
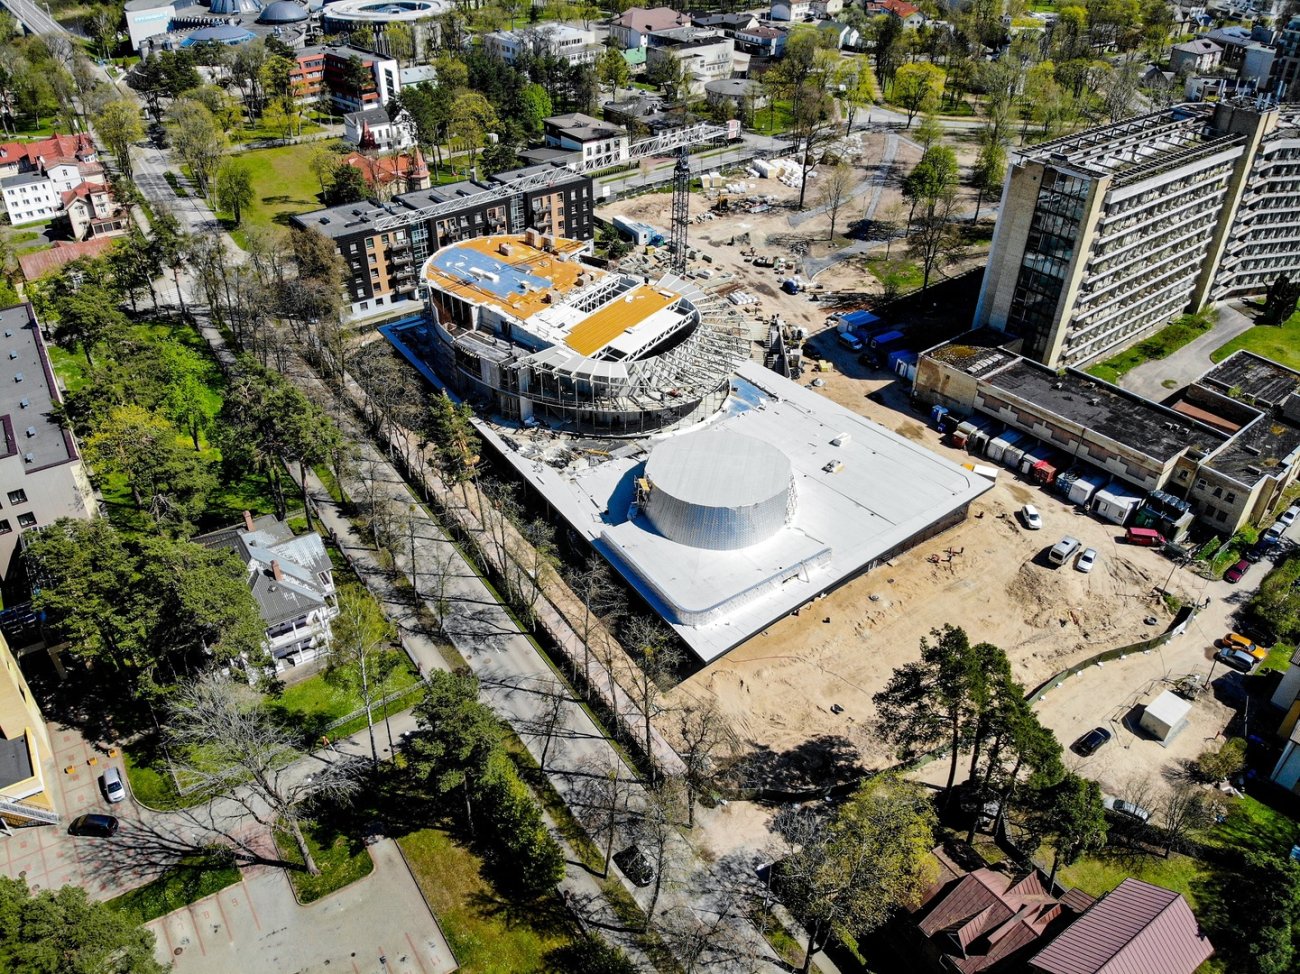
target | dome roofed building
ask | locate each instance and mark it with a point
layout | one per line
(283, 12)
(234, 8)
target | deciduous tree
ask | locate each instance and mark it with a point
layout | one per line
(918, 88)
(119, 126)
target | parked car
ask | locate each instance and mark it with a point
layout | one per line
(1090, 742)
(111, 781)
(1033, 520)
(1257, 551)
(1234, 574)
(1235, 640)
(1128, 809)
(850, 341)
(1287, 517)
(99, 826)
(1063, 550)
(1274, 534)
(1086, 560)
(1236, 659)
(635, 866)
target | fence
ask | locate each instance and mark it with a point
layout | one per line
(383, 701)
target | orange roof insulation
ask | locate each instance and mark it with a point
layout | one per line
(632, 308)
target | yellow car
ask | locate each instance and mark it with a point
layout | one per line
(1234, 640)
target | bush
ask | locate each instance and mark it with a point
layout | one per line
(1213, 766)
(526, 852)
(590, 955)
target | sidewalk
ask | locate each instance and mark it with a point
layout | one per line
(1189, 361)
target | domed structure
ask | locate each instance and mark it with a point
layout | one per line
(718, 489)
(234, 8)
(283, 12)
(220, 34)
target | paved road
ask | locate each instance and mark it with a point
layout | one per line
(35, 17)
(1189, 361)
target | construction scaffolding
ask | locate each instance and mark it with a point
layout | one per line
(681, 209)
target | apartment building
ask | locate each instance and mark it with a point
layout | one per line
(383, 84)
(705, 54)
(25, 750)
(1108, 234)
(630, 28)
(307, 76)
(572, 45)
(381, 267)
(41, 476)
(1265, 241)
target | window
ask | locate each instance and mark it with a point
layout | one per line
(1220, 515)
(17, 497)
(1182, 475)
(1229, 497)
(27, 520)
(5, 527)
(1218, 491)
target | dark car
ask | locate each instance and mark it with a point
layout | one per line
(635, 866)
(1236, 659)
(1257, 551)
(1090, 742)
(1235, 573)
(100, 826)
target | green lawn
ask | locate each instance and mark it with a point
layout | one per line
(189, 882)
(906, 275)
(259, 132)
(1160, 345)
(773, 118)
(1103, 872)
(282, 183)
(1281, 343)
(488, 934)
(1252, 824)
(1279, 658)
(316, 701)
(338, 850)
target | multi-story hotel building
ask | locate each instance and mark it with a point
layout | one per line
(381, 267)
(1106, 235)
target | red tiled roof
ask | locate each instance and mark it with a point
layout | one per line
(82, 191)
(385, 169)
(654, 18)
(1137, 928)
(56, 148)
(43, 262)
(899, 8)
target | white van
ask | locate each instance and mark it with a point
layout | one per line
(1063, 550)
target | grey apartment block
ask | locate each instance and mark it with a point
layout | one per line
(1108, 234)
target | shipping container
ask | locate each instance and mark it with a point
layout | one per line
(1116, 503)
(998, 445)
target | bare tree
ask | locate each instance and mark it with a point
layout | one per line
(657, 655)
(704, 935)
(225, 741)
(595, 586)
(557, 700)
(833, 193)
(655, 831)
(1185, 808)
(702, 733)
(602, 790)
(375, 510)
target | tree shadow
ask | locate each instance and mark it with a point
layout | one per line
(821, 765)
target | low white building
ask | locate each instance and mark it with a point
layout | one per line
(389, 135)
(30, 197)
(792, 10)
(600, 142)
(571, 44)
(292, 580)
(705, 55)
(630, 28)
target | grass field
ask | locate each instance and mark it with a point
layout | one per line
(1279, 343)
(906, 275)
(1160, 345)
(317, 702)
(488, 935)
(189, 882)
(773, 118)
(1102, 873)
(283, 183)
(338, 850)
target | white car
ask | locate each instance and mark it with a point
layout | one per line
(1033, 520)
(1128, 809)
(1086, 560)
(1287, 517)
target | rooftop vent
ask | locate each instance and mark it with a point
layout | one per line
(9, 333)
(31, 431)
(13, 355)
(23, 404)
(18, 377)
(29, 457)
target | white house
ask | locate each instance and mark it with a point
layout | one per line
(629, 29)
(292, 580)
(791, 10)
(30, 198)
(827, 9)
(705, 55)
(388, 134)
(600, 142)
(571, 44)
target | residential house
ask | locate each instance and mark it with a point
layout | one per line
(908, 14)
(382, 81)
(373, 129)
(402, 172)
(842, 35)
(981, 919)
(1134, 927)
(292, 580)
(91, 211)
(827, 9)
(793, 11)
(38, 155)
(572, 45)
(34, 176)
(1195, 57)
(763, 41)
(1286, 772)
(41, 474)
(601, 143)
(629, 29)
(25, 750)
